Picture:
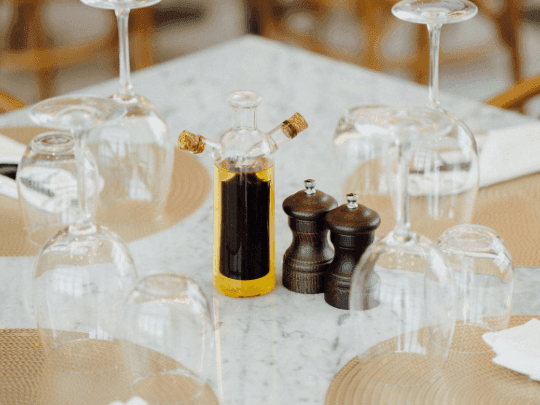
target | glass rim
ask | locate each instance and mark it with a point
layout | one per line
(404, 123)
(405, 11)
(53, 143)
(76, 113)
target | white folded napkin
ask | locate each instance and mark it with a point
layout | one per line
(518, 348)
(509, 153)
(8, 187)
(11, 152)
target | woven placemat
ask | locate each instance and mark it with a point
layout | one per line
(28, 378)
(467, 379)
(190, 186)
(511, 208)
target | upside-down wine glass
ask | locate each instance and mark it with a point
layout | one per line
(135, 154)
(444, 179)
(84, 272)
(168, 338)
(402, 292)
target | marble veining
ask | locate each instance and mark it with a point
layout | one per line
(282, 348)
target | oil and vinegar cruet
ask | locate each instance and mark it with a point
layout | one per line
(244, 252)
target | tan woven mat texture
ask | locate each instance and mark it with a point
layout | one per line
(27, 378)
(468, 379)
(511, 208)
(190, 186)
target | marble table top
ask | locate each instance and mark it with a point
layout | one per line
(282, 348)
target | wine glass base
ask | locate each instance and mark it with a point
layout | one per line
(434, 11)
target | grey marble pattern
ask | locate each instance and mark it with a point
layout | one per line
(282, 348)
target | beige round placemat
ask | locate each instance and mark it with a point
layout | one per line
(28, 378)
(467, 379)
(190, 186)
(511, 208)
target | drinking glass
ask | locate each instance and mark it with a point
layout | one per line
(134, 155)
(484, 280)
(84, 272)
(444, 180)
(363, 156)
(47, 184)
(402, 291)
(167, 340)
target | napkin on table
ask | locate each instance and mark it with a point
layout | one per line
(11, 152)
(518, 348)
(509, 153)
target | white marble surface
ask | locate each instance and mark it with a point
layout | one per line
(282, 348)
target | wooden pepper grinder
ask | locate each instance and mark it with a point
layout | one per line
(351, 231)
(306, 260)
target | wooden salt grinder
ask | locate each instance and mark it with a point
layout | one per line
(351, 231)
(306, 260)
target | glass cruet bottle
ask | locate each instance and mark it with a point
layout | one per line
(244, 251)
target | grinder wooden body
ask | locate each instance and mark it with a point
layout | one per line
(306, 260)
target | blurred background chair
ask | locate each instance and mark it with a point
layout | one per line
(276, 19)
(55, 46)
(519, 94)
(8, 102)
(29, 46)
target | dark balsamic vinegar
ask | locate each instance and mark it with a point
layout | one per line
(244, 263)
(245, 233)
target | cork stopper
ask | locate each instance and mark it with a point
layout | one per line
(191, 142)
(294, 125)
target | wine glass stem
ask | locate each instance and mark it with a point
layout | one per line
(122, 18)
(403, 224)
(83, 217)
(434, 44)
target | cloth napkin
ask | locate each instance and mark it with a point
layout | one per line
(11, 152)
(509, 153)
(518, 348)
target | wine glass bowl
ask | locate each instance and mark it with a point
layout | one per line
(484, 280)
(167, 340)
(362, 153)
(401, 290)
(443, 181)
(76, 113)
(443, 172)
(80, 281)
(135, 157)
(47, 184)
